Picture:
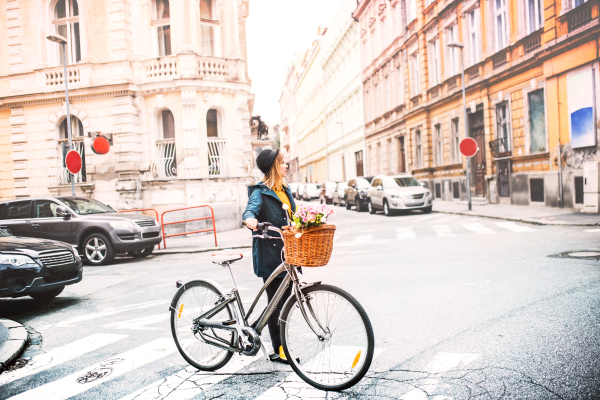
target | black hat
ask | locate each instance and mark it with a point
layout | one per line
(265, 159)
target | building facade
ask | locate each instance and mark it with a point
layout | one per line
(165, 81)
(531, 73)
(287, 118)
(343, 97)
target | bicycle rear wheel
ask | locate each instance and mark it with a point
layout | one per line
(191, 301)
(344, 355)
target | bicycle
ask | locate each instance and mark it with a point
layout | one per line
(331, 350)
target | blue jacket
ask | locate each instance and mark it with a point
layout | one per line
(265, 206)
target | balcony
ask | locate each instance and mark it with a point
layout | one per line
(579, 17)
(533, 42)
(500, 147)
(500, 59)
(161, 69)
(164, 164)
(219, 163)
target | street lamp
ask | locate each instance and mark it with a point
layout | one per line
(462, 65)
(63, 41)
(343, 153)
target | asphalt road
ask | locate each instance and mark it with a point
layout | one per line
(461, 307)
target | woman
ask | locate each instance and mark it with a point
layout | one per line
(265, 204)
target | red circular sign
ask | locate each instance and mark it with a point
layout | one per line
(100, 145)
(468, 147)
(73, 161)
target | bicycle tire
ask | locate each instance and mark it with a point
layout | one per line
(303, 357)
(185, 311)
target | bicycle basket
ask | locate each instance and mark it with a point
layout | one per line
(312, 249)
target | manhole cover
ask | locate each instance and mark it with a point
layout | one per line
(579, 254)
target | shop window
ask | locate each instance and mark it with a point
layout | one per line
(536, 190)
(537, 121)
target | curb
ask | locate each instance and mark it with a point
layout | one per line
(523, 220)
(14, 345)
(199, 249)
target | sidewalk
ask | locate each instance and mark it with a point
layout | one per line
(13, 338)
(235, 239)
(527, 214)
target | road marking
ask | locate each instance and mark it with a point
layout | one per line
(591, 230)
(362, 240)
(511, 226)
(444, 220)
(60, 355)
(139, 323)
(190, 382)
(405, 233)
(478, 228)
(105, 371)
(426, 217)
(442, 230)
(293, 386)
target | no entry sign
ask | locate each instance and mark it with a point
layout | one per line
(100, 145)
(468, 147)
(73, 162)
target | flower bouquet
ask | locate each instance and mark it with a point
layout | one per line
(308, 241)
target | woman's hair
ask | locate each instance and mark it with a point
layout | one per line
(273, 178)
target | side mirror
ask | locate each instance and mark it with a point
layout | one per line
(379, 187)
(62, 212)
(354, 186)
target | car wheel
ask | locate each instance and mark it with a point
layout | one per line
(98, 249)
(357, 204)
(48, 294)
(348, 206)
(427, 210)
(141, 253)
(386, 209)
(370, 207)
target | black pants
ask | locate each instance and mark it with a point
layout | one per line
(273, 321)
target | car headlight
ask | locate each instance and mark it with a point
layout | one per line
(15, 260)
(395, 196)
(427, 194)
(125, 224)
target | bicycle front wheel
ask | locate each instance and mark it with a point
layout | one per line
(196, 298)
(343, 354)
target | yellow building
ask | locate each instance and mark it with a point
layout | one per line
(531, 93)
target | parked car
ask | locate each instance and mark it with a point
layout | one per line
(398, 192)
(356, 193)
(95, 229)
(39, 268)
(293, 187)
(339, 192)
(311, 191)
(327, 189)
(298, 193)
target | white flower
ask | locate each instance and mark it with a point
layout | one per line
(323, 220)
(285, 207)
(298, 235)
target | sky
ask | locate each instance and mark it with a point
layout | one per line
(278, 29)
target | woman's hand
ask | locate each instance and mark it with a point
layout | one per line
(252, 223)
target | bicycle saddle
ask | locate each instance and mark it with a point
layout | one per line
(219, 258)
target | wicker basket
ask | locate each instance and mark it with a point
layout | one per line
(312, 249)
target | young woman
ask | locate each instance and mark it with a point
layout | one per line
(265, 204)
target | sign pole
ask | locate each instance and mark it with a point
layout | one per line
(462, 64)
(66, 79)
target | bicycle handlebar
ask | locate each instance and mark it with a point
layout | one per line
(265, 227)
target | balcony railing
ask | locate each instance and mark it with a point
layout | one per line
(57, 78)
(500, 147)
(212, 68)
(219, 162)
(500, 59)
(164, 164)
(161, 69)
(579, 17)
(533, 42)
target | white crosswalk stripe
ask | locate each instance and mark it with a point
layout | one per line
(139, 323)
(512, 226)
(405, 233)
(478, 228)
(442, 230)
(61, 355)
(100, 373)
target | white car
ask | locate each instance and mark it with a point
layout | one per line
(396, 193)
(293, 187)
(311, 191)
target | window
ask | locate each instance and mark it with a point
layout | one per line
(401, 155)
(577, 3)
(502, 130)
(161, 21)
(439, 155)
(452, 53)
(400, 85)
(368, 107)
(415, 86)
(63, 142)
(473, 22)
(418, 148)
(390, 157)
(501, 24)
(411, 11)
(208, 26)
(66, 24)
(434, 62)
(536, 190)
(358, 156)
(218, 154)
(537, 121)
(44, 209)
(376, 90)
(379, 166)
(384, 36)
(455, 140)
(396, 17)
(534, 11)
(388, 94)
(165, 162)
(18, 210)
(212, 123)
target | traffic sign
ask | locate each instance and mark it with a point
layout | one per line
(73, 162)
(468, 147)
(100, 145)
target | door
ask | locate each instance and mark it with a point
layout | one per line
(402, 157)
(376, 194)
(477, 132)
(47, 225)
(503, 178)
(17, 218)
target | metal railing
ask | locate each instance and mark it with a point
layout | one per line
(143, 209)
(163, 223)
(219, 162)
(164, 164)
(61, 174)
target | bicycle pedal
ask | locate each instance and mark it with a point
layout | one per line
(227, 323)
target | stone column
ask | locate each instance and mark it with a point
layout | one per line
(191, 150)
(15, 36)
(119, 14)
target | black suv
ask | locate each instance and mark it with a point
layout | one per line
(95, 229)
(356, 193)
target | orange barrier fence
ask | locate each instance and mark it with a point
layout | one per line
(145, 209)
(212, 216)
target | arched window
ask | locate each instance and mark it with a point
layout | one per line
(66, 23)
(212, 123)
(78, 145)
(218, 155)
(161, 21)
(208, 26)
(165, 160)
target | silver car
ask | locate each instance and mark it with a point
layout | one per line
(398, 192)
(311, 191)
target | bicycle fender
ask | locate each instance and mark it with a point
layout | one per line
(182, 288)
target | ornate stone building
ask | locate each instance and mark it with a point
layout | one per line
(165, 80)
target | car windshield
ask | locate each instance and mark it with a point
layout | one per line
(312, 186)
(330, 185)
(86, 206)
(402, 182)
(4, 233)
(362, 183)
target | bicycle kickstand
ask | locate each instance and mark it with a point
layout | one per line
(264, 351)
